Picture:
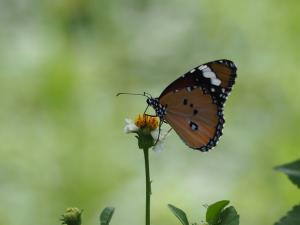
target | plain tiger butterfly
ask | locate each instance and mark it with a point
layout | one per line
(193, 104)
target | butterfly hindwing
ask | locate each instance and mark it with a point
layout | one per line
(194, 117)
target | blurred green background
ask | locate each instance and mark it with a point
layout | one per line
(61, 126)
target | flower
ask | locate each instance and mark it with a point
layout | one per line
(147, 130)
(144, 121)
(130, 126)
(159, 146)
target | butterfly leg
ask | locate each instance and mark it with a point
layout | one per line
(150, 115)
(169, 130)
(146, 110)
(159, 129)
(146, 114)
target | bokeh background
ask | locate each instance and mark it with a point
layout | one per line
(61, 125)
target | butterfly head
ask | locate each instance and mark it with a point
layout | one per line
(159, 109)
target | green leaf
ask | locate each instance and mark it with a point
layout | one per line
(292, 170)
(291, 218)
(179, 214)
(214, 210)
(229, 216)
(106, 215)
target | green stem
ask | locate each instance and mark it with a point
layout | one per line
(148, 185)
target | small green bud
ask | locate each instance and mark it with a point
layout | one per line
(72, 216)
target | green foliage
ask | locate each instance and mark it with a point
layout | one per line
(229, 216)
(214, 210)
(292, 217)
(216, 214)
(180, 214)
(292, 170)
(106, 215)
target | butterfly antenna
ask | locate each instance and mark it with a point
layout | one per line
(148, 95)
(128, 93)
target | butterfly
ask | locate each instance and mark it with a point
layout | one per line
(193, 104)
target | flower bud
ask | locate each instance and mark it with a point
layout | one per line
(72, 216)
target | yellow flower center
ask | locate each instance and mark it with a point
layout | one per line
(143, 121)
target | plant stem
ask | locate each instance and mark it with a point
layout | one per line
(148, 185)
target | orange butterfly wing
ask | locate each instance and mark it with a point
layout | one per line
(194, 116)
(194, 103)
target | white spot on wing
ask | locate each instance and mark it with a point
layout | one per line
(206, 69)
(202, 67)
(192, 71)
(216, 82)
(208, 73)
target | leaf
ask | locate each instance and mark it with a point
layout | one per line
(179, 214)
(229, 216)
(292, 170)
(291, 218)
(214, 210)
(106, 215)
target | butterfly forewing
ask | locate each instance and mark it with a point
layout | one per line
(216, 78)
(194, 117)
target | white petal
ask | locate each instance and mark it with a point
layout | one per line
(128, 121)
(161, 142)
(159, 146)
(154, 134)
(130, 126)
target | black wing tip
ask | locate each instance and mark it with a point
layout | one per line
(231, 65)
(227, 62)
(233, 74)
